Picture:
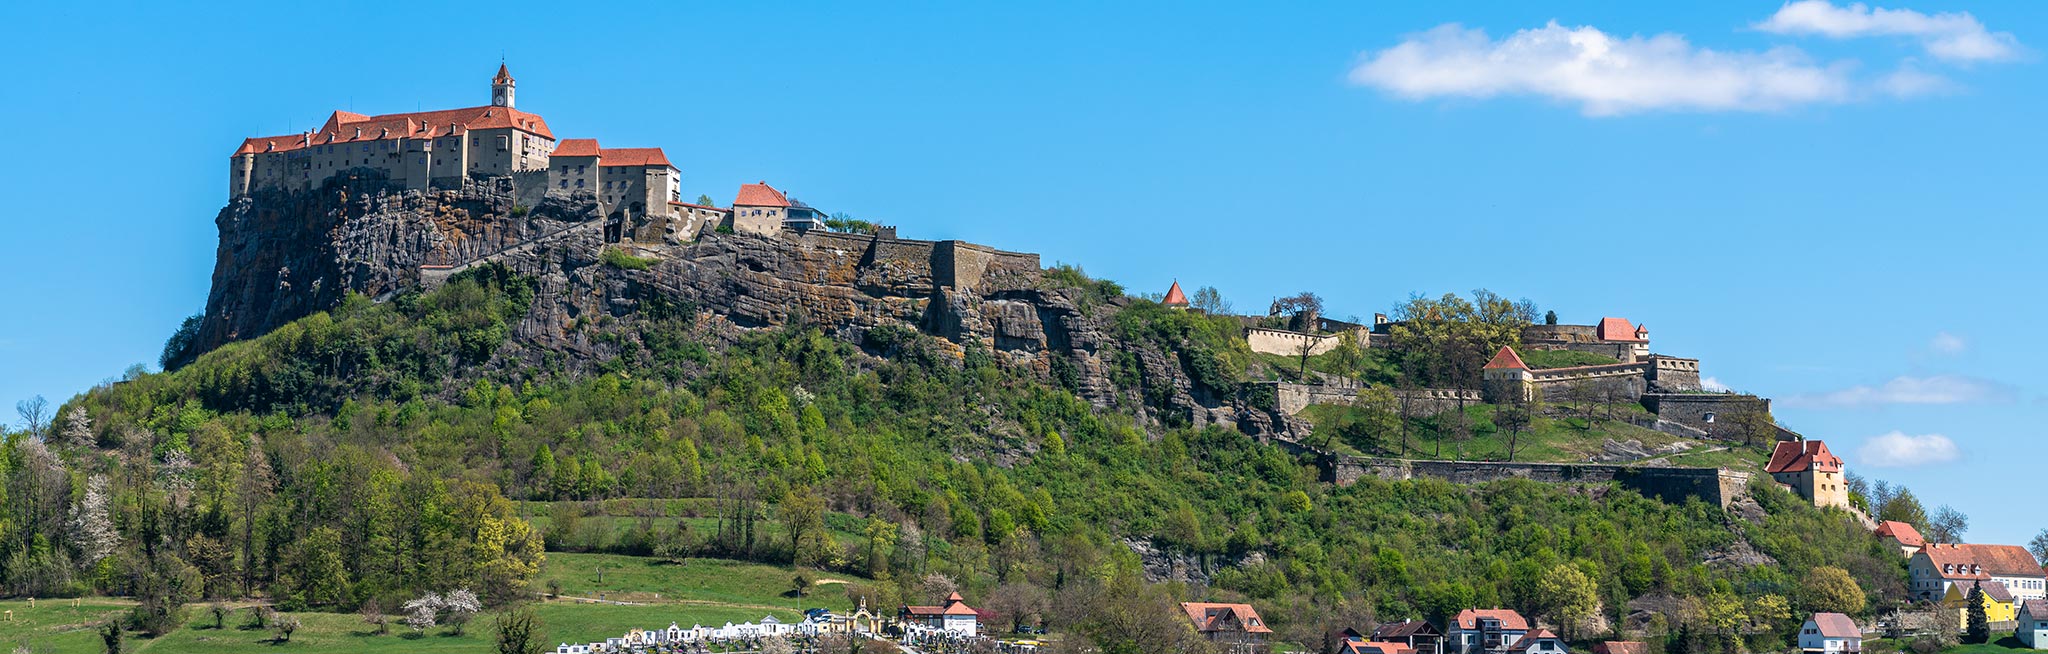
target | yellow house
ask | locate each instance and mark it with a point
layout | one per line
(1998, 603)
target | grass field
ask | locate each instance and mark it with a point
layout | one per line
(1567, 440)
(700, 591)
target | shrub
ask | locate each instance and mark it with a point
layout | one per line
(618, 258)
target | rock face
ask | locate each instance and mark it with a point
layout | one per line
(286, 255)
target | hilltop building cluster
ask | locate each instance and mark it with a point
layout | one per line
(449, 148)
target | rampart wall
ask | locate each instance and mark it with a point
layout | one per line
(1293, 398)
(1708, 412)
(1287, 343)
(1717, 486)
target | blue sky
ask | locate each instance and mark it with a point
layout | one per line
(1835, 206)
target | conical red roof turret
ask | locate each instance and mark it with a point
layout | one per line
(1506, 358)
(1175, 298)
(504, 76)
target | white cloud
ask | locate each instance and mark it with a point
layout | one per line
(1713, 385)
(1910, 82)
(1946, 343)
(1937, 389)
(1899, 449)
(1947, 36)
(1603, 74)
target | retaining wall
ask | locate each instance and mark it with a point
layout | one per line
(1671, 484)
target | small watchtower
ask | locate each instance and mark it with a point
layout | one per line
(1506, 379)
(1174, 298)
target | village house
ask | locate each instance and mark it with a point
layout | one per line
(1810, 470)
(1541, 642)
(1418, 636)
(1902, 536)
(1830, 633)
(1234, 628)
(2033, 619)
(1938, 566)
(1479, 631)
(762, 209)
(954, 616)
(633, 181)
(1998, 602)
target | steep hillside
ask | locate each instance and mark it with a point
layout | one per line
(1022, 434)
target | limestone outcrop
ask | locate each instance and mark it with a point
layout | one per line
(286, 255)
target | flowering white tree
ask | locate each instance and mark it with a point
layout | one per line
(421, 612)
(77, 427)
(96, 535)
(461, 605)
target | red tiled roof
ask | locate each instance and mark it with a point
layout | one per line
(1212, 616)
(2005, 560)
(576, 148)
(957, 605)
(1953, 562)
(1374, 647)
(1905, 533)
(615, 157)
(349, 127)
(1992, 589)
(504, 76)
(760, 195)
(1801, 456)
(1836, 625)
(1506, 358)
(1509, 619)
(699, 206)
(2035, 608)
(1174, 298)
(1618, 329)
(1525, 643)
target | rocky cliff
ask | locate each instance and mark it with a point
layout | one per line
(286, 255)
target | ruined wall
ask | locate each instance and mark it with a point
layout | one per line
(963, 265)
(1673, 374)
(1708, 412)
(1712, 485)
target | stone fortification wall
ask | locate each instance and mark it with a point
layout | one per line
(1618, 381)
(1673, 374)
(1559, 334)
(1623, 352)
(1287, 343)
(529, 187)
(1708, 412)
(1717, 486)
(1293, 398)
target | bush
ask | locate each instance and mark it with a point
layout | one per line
(618, 258)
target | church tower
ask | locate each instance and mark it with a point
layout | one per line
(501, 88)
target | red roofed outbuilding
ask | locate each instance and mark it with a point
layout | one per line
(1902, 536)
(1229, 624)
(1810, 470)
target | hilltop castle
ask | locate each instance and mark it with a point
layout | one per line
(447, 148)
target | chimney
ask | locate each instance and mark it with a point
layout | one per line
(359, 132)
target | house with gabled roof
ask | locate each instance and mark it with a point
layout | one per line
(1480, 631)
(1902, 536)
(1830, 633)
(954, 616)
(1999, 605)
(1810, 470)
(2033, 623)
(1417, 635)
(1938, 566)
(1540, 642)
(1234, 628)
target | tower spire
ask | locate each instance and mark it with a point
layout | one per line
(501, 87)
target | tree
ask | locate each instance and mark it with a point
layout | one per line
(1568, 596)
(542, 478)
(91, 527)
(2039, 546)
(219, 611)
(1902, 506)
(1948, 525)
(1445, 342)
(283, 626)
(520, 632)
(1375, 415)
(1979, 623)
(1754, 426)
(1828, 589)
(461, 605)
(111, 635)
(373, 615)
(803, 514)
(800, 586)
(1514, 417)
(422, 612)
(178, 349)
(1022, 603)
(1210, 301)
(77, 430)
(1550, 317)
(35, 415)
(706, 201)
(1301, 310)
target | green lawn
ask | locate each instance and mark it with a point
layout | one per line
(1542, 359)
(700, 591)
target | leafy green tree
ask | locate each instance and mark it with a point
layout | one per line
(1828, 589)
(111, 636)
(1445, 342)
(803, 514)
(1568, 596)
(1904, 507)
(520, 631)
(542, 479)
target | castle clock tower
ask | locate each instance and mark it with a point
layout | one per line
(501, 88)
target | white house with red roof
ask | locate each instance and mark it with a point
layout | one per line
(1830, 633)
(1938, 566)
(417, 149)
(954, 616)
(1812, 471)
(1478, 631)
(2033, 623)
(1506, 378)
(1540, 642)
